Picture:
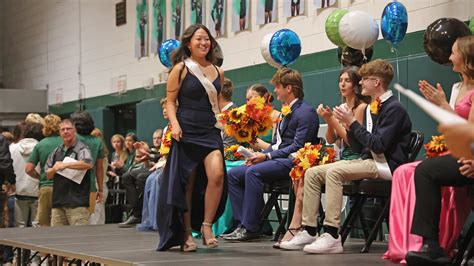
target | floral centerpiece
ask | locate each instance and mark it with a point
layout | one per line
(249, 121)
(309, 156)
(436, 147)
(166, 142)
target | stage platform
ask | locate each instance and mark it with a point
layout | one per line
(110, 245)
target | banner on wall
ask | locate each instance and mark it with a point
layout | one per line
(176, 28)
(197, 11)
(240, 19)
(293, 8)
(141, 29)
(216, 23)
(158, 26)
(323, 3)
(266, 11)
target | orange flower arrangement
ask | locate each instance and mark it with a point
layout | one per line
(309, 156)
(436, 147)
(249, 121)
(166, 143)
(375, 106)
(231, 154)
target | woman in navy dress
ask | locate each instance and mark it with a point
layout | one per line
(193, 191)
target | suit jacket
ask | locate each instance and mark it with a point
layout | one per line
(226, 139)
(390, 134)
(297, 128)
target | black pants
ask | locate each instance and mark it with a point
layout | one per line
(134, 183)
(430, 176)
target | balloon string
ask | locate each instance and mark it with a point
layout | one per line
(395, 50)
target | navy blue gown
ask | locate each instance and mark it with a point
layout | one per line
(199, 138)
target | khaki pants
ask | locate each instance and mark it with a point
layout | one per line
(45, 204)
(333, 176)
(70, 216)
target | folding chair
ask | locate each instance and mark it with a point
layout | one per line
(363, 189)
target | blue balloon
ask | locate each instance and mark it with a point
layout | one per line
(394, 23)
(285, 47)
(165, 51)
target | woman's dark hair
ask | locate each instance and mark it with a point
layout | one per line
(261, 91)
(84, 122)
(132, 135)
(352, 72)
(183, 51)
(34, 131)
(19, 131)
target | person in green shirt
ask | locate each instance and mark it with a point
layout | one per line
(40, 155)
(84, 126)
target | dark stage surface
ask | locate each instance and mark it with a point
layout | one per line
(111, 245)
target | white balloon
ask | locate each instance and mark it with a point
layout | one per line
(358, 30)
(265, 48)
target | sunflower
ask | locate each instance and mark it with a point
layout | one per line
(285, 110)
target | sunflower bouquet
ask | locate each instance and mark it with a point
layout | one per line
(249, 121)
(309, 156)
(436, 147)
(166, 142)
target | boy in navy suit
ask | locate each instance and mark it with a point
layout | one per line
(246, 183)
(384, 138)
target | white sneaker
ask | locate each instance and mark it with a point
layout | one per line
(325, 244)
(301, 239)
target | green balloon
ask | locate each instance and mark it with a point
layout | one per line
(471, 25)
(332, 27)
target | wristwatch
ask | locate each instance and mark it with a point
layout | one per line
(472, 148)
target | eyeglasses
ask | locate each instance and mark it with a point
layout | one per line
(364, 79)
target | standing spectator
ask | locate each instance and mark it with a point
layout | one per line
(70, 199)
(98, 217)
(6, 174)
(40, 155)
(84, 125)
(26, 203)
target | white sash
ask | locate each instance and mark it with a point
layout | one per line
(379, 159)
(454, 94)
(208, 86)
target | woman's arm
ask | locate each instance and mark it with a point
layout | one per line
(172, 91)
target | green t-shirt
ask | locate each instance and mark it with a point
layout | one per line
(40, 155)
(97, 151)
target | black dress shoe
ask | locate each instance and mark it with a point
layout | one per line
(244, 235)
(428, 256)
(130, 222)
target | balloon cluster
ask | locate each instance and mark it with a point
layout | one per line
(355, 32)
(281, 48)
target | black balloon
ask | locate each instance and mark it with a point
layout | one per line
(440, 37)
(353, 57)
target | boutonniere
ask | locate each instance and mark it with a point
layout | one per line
(375, 106)
(285, 110)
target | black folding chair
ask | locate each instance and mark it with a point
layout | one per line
(364, 189)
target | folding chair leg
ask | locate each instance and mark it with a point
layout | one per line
(353, 214)
(468, 240)
(375, 229)
(268, 206)
(281, 227)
